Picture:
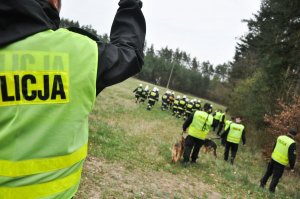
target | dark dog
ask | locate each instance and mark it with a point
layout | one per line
(210, 145)
(177, 150)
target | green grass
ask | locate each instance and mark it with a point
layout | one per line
(130, 154)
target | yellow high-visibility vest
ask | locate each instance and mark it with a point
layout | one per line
(280, 153)
(48, 88)
(235, 133)
(200, 125)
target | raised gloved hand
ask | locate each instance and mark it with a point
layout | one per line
(129, 3)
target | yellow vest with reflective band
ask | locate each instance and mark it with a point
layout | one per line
(235, 133)
(200, 125)
(281, 150)
(48, 88)
(218, 116)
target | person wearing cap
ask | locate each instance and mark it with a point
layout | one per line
(198, 125)
(144, 94)
(284, 154)
(152, 98)
(165, 100)
(50, 78)
(197, 105)
(138, 92)
(234, 134)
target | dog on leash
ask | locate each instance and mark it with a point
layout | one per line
(210, 145)
(177, 149)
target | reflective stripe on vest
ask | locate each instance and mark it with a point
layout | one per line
(200, 125)
(235, 133)
(280, 153)
(41, 190)
(153, 94)
(44, 132)
(29, 167)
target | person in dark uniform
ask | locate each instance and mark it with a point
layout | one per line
(138, 92)
(49, 91)
(284, 153)
(181, 107)
(234, 134)
(165, 100)
(175, 105)
(152, 98)
(198, 125)
(144, 94)
(188, 109)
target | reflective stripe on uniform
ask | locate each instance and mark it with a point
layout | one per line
(43, 189)
(30, 167)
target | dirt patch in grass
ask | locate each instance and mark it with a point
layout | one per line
(103, 179)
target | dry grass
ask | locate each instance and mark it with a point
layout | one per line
(129, 157)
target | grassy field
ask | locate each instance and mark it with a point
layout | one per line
(130, 157)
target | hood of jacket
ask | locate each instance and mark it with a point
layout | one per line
(22, 18)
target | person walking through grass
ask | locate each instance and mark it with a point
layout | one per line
(284, 154)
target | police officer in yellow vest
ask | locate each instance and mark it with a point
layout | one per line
(284, 153)
(49, 79)
(233, 135)
(199, 125)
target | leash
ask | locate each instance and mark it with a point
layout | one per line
(216, 138)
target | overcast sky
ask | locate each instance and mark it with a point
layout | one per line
(207, 29)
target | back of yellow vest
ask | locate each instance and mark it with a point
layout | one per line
(48, 88)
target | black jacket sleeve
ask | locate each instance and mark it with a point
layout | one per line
(292, 155)
(244, 137)
(123, 56)
(188, 122)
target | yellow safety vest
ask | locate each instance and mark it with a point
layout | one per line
(201, 125)
(235, 133)
(48, 88)
(281, 150)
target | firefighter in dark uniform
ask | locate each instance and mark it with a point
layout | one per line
(284, 153)
(49, 91)
(144, 94)
(181, 107)
(189, 109)
(175, 105)
(165, 100)
(234, 134)
(171, 99)
(152, 98)
(197, 105)
(138, 92)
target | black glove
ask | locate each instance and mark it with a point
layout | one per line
(129, 3)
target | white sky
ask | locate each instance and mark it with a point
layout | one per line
(206, 29)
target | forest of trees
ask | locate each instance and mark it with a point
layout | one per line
(266, 66)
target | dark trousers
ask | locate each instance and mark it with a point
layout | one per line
(215, 124)
(275, 169)
(192, 144)
(234, 148)
(221, 125)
